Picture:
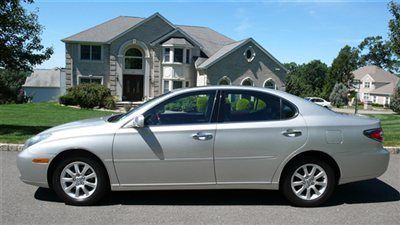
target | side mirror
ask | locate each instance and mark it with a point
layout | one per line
(138, 121)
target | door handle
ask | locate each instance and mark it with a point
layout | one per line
(201, 136)
(291, 133)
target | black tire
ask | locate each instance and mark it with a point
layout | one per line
(286, 187)
(102, 181)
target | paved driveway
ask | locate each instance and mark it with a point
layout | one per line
(368, 202)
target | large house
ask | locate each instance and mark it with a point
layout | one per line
(376, 85)
(139, 58)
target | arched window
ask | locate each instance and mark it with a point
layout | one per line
(133, 59)
(247, 82)
(270, 84)
(224, 81)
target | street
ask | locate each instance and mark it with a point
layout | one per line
(368, 202)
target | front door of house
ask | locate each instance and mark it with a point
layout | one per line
(132, 88)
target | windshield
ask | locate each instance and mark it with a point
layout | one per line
(118, 117)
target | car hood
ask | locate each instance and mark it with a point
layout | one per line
(78, 124)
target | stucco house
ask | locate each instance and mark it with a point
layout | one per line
(139, 58)
(45, 84)
(376, 84)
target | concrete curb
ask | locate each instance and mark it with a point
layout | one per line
(18, 148)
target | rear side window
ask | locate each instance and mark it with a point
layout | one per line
(248, 106)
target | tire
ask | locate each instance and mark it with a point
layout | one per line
(91, 188)
(323, 184)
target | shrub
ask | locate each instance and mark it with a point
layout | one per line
(201, 104)
(109, 102)
(395, 101)
(338, 96)
(67, 99)
(260, 104)
(242, 104)
(87, 95)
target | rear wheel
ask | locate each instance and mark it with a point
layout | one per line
(308, 182)
(80, 181)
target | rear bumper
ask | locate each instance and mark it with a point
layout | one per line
(33, 173)
(362, 165)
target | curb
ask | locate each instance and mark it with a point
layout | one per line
(18, 148)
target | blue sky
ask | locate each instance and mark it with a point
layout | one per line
(297, 31)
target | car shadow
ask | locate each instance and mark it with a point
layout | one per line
(370, 191)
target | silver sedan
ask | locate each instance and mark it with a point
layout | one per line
(221, 137)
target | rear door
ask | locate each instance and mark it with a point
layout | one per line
(256, 131)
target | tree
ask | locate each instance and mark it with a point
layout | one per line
(307, 79)
(20, 47)
(338, 96)
(394, 27)
(341, 69)
(10, 84)
(378, 52)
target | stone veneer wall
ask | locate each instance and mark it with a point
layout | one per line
(112, 83)
(68, 66)
(156, 71)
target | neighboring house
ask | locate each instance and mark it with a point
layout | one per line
(139, 58)
(376, 85)
(45, 84)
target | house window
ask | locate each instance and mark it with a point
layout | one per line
(224, 81)
(167, 55)
(366, 96)
(374, 98)
(178, 55)
(177, 84)
(247, 82)
(90, 79)
(187, 84)
(270, 84)
(387, 100)
(170, 85)
(166, 86)
(133, 59)
(367, 84)
(188, 56)
(90, 52)
(249, 54)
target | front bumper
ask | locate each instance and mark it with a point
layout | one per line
(362, 165)
(33, 173)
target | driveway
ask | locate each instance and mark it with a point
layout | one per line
(368, 202)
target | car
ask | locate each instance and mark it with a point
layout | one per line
(213, 137)
(319, 101)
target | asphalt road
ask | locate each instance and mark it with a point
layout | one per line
(368, 202)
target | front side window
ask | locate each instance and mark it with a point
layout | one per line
(90, 52)
(247, 106)
(366, 96)
(178, 55)
(133, 59)
(366, 84)
(192, 108)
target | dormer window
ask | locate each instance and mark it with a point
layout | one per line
(177, 50)
(178, 55)
(167, 54)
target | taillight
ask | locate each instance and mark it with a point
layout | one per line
(376, 134)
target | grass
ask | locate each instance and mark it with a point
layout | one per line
(18, 122)
(391, 128)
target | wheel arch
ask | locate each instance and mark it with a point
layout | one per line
(317, 154)
(72, 152)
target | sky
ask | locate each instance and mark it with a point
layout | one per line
(292, 31)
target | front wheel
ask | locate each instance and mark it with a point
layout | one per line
(80, 180)
(308, 182)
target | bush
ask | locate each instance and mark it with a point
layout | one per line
(338, 96)
(109, 102)
(395, 101)
(11, 86)
(201, 104)
(260, 105)
(242, 104)
(87, 96)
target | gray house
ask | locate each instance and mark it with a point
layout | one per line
(45, 84)
(139, 58)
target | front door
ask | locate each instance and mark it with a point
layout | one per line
(174, 148)
(132, 89)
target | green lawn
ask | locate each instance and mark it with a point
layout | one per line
(391, 129)
(18, 122)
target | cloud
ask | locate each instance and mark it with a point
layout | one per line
(244, 22)
(349, 40)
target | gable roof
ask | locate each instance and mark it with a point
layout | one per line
(106, 31)
(378, 74)
(385, 89)
(44, 78)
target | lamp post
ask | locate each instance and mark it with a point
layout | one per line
(356, 85)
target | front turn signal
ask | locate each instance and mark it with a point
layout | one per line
(40, 160)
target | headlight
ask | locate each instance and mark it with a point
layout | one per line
(36, 139)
